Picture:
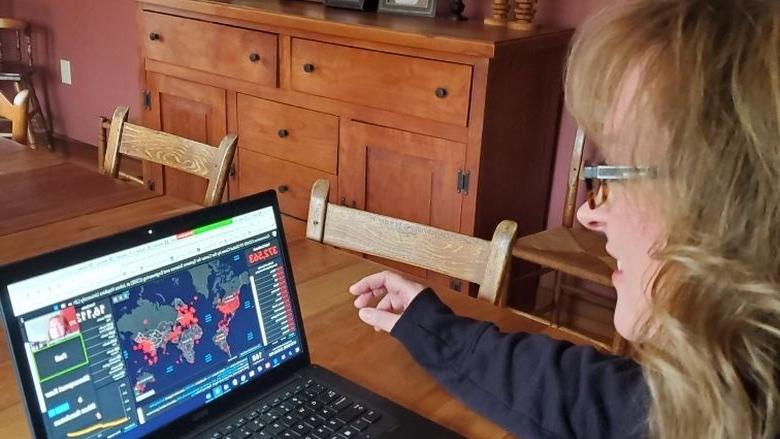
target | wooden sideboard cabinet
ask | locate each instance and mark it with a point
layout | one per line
(439, 122)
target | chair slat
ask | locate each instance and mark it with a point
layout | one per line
(169, 150)
(570, 202)
(423, 246)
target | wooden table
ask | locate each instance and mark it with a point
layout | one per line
(39, 187)
(341, 342)
(15, 157)
(337, 338)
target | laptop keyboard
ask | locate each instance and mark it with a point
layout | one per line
(304, 409)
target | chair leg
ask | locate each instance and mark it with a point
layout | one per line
(38, 129)
(105, 125)
(556, 302)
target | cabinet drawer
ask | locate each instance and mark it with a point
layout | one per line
(290, 133)
(429, 89)
(259, 172)
(240, 53)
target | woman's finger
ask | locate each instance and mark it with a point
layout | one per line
(371, 282)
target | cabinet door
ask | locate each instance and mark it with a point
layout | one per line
(402, 175)
(190, 110)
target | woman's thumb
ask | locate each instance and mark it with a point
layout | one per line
(379, 319)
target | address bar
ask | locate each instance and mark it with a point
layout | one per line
(187, 247)
(172, 252)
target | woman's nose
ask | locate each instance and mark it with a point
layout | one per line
(593, 219)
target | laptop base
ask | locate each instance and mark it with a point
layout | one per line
(319, 404)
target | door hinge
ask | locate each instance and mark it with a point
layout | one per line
(147, 100)
(463, 181)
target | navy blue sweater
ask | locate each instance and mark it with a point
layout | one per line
(531, 385)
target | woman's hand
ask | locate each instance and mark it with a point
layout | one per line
(395, 293)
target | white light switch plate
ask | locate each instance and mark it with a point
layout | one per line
(65, 71)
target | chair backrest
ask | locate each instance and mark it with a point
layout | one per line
(21, 28)
(16, 112)
(169, 150)
(575, 166)
(452, 254)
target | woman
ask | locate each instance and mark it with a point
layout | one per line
(685, 96)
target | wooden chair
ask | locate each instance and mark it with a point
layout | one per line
(16, 112)
(168, 150)
(20, 71)
(464, 257)
(573, 253)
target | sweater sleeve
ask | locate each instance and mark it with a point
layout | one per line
(531, 385)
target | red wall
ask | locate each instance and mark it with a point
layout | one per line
(6, 8)
(99, 39)
(7, 39)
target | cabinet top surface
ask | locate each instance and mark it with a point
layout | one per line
(468, 38)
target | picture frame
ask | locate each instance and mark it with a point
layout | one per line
(424, 8)
(360, 5)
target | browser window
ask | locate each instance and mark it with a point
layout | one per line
(122, 344)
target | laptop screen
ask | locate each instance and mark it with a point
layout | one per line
(125, 343)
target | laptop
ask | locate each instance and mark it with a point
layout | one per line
(189, 327)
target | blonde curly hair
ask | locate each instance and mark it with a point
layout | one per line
(710, 83)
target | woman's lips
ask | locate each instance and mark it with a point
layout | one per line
(619, 264)
(619, 272)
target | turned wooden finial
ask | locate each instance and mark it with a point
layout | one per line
(524, 13)
(500, 13)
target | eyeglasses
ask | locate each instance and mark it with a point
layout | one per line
(596, 177)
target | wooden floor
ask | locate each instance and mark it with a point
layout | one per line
(578, 315)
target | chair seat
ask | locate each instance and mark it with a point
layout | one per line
(577, 252)
(14, 71)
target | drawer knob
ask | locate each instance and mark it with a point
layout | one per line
(283, 133)
(441, 92)
(282, 189)
(308, 68)
(254, 57)
(154, 36)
